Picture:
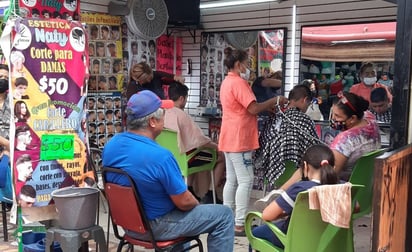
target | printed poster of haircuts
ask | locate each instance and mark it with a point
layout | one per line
(107, 77)
(105, 51)
(141, 50)
(212, 70)
(104, 118)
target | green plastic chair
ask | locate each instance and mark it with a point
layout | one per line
(290, 169)
(362, 174)
(306, 232)
(168, 139)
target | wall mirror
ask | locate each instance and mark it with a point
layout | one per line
(266, 49)
(332, 55)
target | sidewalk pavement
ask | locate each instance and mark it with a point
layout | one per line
(362, 231)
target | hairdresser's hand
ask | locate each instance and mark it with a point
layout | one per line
(283, 101)
(179, 78)
(280, 103)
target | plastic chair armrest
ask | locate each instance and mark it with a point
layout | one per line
(198, 150)
(258, 243)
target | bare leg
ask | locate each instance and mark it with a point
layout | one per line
(201, 182)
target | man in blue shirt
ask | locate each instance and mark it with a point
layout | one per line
(172, 210)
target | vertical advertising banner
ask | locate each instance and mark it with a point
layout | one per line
(48, 68)
(167, 46)
(45, 9)
(169, 56)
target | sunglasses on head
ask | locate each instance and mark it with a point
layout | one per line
(344, 100)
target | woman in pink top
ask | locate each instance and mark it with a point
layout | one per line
(360, 132)
(239, 133)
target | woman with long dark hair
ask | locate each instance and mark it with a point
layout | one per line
(21, 112)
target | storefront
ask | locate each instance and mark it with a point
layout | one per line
(180, 45)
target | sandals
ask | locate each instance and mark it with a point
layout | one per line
(240, 232)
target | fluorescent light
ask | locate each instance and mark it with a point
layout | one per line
(231, 3)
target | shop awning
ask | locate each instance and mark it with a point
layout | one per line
(349, 43)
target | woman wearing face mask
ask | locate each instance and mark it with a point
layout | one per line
(239, 134)
(360, 132)
(368, 82)
(5, 112)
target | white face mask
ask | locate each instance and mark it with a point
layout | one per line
(245, 75)
(369, 81)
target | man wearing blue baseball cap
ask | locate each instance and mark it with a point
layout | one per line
(172, 210)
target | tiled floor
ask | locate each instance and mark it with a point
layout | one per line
(361, 226)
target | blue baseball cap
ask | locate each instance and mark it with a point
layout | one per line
(144, 103)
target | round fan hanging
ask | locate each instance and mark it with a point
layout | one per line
(242, 39)
(147, 18)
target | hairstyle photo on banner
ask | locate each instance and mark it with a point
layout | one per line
(68, 10)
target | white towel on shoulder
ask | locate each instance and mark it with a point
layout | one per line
(334, 203)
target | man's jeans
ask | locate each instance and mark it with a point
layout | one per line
(216, 220)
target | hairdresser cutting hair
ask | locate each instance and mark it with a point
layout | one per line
(239, 134)
(142, 77)
(286, 136)
(360, 134)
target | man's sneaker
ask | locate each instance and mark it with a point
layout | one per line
(262, 203)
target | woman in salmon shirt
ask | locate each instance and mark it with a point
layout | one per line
(239, 133)
(368, 83)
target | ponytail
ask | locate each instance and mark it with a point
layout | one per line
(321, 157)
(328, 174)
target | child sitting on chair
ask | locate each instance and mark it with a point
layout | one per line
(318, 169)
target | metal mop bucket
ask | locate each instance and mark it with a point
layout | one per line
(76, 206)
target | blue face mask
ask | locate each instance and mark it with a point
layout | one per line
(338, 125)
